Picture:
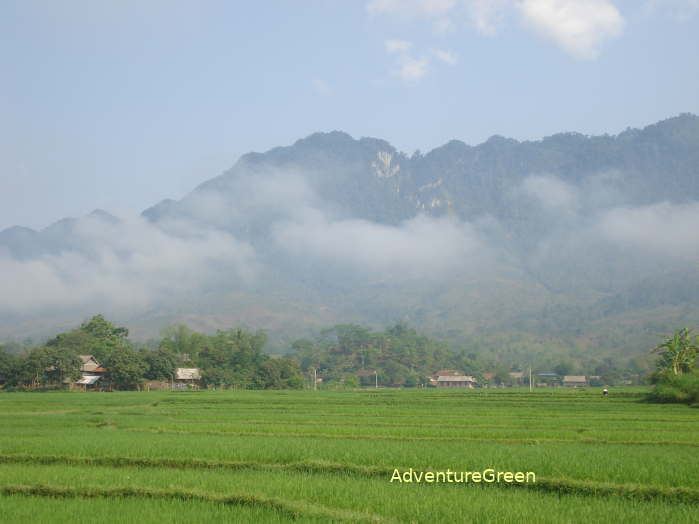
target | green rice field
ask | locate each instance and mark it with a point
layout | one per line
(281, 456)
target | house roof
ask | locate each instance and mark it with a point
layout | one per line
(88, 363)
(517, 374)
(187, 374)
(366, 373)
(574, 378)
(488, 376)
(89, 379)
(455, 378)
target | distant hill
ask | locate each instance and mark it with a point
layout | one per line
(556, 243)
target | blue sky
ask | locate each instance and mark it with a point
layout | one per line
(119, 104)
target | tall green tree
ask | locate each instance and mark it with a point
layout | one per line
(125, 368)
(64, 365)
(160, 364)
(101, 328)
(105, 337)
(281, 373)
(47, 366)
(182, 341)
(233, 358)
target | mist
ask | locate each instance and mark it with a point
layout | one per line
(227, 238)
(324, 234)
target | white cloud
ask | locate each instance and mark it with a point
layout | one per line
(437, 11)
(397, 46)
(409, 68)
(579, 27)
(410, 7)
(550, 191)
(130, 265)
(448, 57)
(486, 15)
(664, 228)
(412, 69)
(421, 247)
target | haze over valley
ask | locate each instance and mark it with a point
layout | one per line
(584, 244)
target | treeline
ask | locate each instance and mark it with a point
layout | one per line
(399, 354)
(403, 357)
(346, 355)
(232, 358)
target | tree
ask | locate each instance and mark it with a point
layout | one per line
(281, 373)
(233, 358)
(100, 328)
(160, 364)
(307, 353)
(47, 365)
(8, 366)
(502, 375)
(217, 377)
(105, 337)
(412, 380)
(563, 369)
(64, 365)
(182, 341)
(125, 368)
(678, 352)
(79, 341)
(32, 371)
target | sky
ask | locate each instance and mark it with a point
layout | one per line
(120, 104)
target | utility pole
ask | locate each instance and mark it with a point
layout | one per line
(376, 379)
(530, 379)
(315, 380)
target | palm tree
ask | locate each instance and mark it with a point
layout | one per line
(678, 353)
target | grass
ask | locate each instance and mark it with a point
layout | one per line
(328, 456)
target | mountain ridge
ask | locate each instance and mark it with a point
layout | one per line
(460, 240)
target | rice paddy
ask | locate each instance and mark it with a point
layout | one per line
(280, 456)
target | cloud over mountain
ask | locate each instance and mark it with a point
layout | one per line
(328, 219)
(130, 264)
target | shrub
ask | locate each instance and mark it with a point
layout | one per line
(676, 389)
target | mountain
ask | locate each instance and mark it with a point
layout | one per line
(571, 241)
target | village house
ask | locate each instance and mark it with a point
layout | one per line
(443, 373)
(88, 364)
(455, 381)
(575, 381)
(92, 373)
(87, 381)
(516, 377)
(547, 379)
(188, 377)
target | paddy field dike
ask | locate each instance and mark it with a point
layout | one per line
(392, 456)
